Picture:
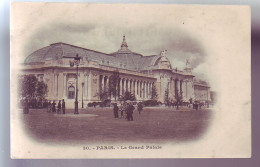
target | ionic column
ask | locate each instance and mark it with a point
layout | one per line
(140, 89)
(53, 85)
(125, 82)
(144, 89)
(121, 86)
(126, 85)
(101, 78)
(105, 83)
(186, 90)
(135, 88)
(56, 84)
(86, 84)
(173, 88)
(181, 87)
(64, 85)
(176, 88)
(130, 86)
(89, 87)
(150, 92)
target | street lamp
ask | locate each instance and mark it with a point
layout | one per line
(76, 62)
(82, 94)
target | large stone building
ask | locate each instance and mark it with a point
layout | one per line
(137, 74)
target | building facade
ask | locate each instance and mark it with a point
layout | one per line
(138, 74)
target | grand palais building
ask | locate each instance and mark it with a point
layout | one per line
(137, 74)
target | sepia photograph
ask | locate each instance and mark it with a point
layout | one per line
(130, 81)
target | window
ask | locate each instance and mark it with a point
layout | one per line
(71, 92)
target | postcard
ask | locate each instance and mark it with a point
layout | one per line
(130, 81)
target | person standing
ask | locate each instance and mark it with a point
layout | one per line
(131, 108)
(25, 107)
(128, 111)
(139, 107)
(116, 110)
(49, 106)
(53, 106)
(63, 106)
(59, 107)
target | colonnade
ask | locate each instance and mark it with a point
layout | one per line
(179, 87)
(141, 89)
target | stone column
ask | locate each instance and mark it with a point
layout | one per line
(101, 78)
(148, 94)
(176, 88)
(144, 89)
(104, 83)
(53, 86)
(130, 86)
(173, 88)
(181, 87)
(65, 86)
(121, 86)
(126, 85)
(135, 88)
(140, 89)
(150, 90)
(125, 81)
(184, 90)
(89, 95)
(56, 75)
(86, 84)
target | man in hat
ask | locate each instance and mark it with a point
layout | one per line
(59, 107)
(115, 110)
(63, 106)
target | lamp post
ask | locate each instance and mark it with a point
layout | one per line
(76, 62)
(82, 94)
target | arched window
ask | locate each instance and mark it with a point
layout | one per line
(71, 92)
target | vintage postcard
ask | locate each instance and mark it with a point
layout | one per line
(130, 81)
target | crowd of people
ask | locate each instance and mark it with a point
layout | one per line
(127, 109)
(60, 108)
(51, 106)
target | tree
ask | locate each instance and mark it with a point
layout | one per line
(128, 96)
(27, 86)
(41, 89)
(31, 89)
(113, 84)
(154, 92)
(103, 96)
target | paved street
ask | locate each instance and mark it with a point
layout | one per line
(99, 125)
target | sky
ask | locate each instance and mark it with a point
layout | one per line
(186, 32)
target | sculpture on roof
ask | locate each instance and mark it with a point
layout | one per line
(163, 53)
(187, 62)
(124, 44)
